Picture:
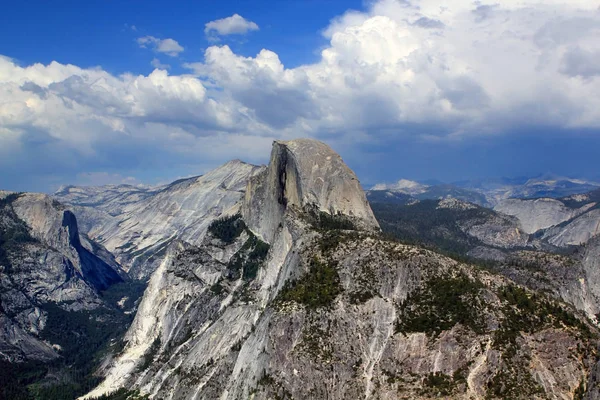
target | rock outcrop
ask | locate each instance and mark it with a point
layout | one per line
(575, 232)
(539, 213)
(299, 297)
(43, 260)
(304, 173)
(138, 224)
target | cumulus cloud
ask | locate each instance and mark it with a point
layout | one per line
(60, 119)
(169, 47)
(234, 25)
(465, 68)
(578, 62)
(399, 68)
(157, 64)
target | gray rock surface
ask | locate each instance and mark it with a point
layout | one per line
(301, 173)
(44, 261)
(539, 213)
(575, 232)
(138, 224)
(330, 313)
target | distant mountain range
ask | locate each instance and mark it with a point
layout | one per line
(486, 192)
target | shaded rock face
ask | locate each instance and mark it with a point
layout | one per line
(54, 225)
(43, 261)
(303, 173)
(328, 312)
(137, 225)
(591, 276)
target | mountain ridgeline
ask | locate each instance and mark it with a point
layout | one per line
(296, 294)
(284, 282)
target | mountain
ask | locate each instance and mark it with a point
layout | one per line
(57, 300)
(299, 296)
(138, 224)
(536, 214)
(43, 261)
(500, 242)
(402, 186)
(451, 226)
(386, 196)
(384, 193)
(569, 221)
(489, 192)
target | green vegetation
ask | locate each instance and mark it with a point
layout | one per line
(150, 354)
(132, 290)
(425, 225)
(328, 222)
(360, 296)
(266, 380)
(365, 284)
(580, 391)
(13, 233)
(84, 336)
(250, 258)
(528, 313)
(440, 304)
(217, 288)
(438, 384)
(323, 221)
(330, 240)
(531, 312)
(316, 289)
(513, 381)
(15, 377)
(227, 228)
(315, 337)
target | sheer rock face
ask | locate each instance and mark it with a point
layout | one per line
(49, 262)
(55, 226)
(138, 225)
(206, 329)
(301, 173)
(591, 278)
(577, 231)
(539, 213)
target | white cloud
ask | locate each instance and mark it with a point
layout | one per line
(234, 25)
(157, 64)
(169, 47)
(60, 117)
(465, 68)
(395, 69)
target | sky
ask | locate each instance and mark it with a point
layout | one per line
(101, 92)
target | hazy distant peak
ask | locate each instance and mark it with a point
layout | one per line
(403, 186)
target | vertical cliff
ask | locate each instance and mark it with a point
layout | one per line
(44, 263)
(298, 296)
(304, 173)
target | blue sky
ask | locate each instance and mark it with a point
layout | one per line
(98, 32)
(102, 92)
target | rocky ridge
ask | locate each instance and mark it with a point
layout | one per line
(137, 225)
(44, 260)
(298, 296)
